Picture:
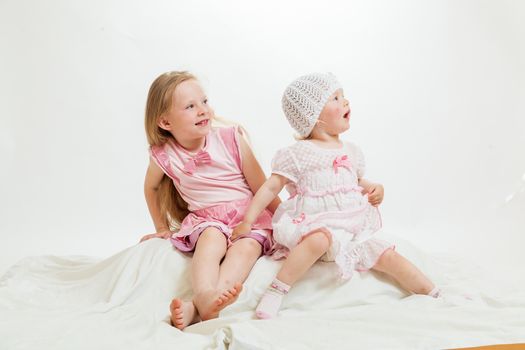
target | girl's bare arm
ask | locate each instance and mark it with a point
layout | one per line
(253, 172)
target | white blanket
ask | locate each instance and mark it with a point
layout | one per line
(122, 302)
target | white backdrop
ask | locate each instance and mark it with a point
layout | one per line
(437, 90)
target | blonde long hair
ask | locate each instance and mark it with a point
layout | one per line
(172, 207)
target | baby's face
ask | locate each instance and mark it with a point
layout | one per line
(335, 116)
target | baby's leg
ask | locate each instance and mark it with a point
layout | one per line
(300, 259)
(404, 272)
(210, 248)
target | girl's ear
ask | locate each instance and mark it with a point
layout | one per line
(164, 123)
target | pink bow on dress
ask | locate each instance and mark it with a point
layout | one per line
(202, 157)
(299, 219)
(341, 161)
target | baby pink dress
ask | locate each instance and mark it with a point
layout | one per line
(211, 181)
(325, 196)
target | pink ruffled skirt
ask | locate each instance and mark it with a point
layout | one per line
(223, 217)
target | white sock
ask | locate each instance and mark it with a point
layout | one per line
(435, 293)
(271, 301)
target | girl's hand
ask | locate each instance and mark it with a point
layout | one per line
(239, 230)
(375, 193)
(165, 234)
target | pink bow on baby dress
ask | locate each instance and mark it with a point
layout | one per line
(299, 219)
(341, 161)
(202, 157)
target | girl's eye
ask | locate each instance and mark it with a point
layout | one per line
(205, 101)
(336, 98)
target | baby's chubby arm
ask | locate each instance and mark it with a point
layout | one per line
(266, 194)
(375, 191)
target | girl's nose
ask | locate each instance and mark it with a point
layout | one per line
(202, 109)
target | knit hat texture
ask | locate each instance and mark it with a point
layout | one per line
(304, 99)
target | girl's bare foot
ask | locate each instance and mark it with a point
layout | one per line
(211, 303)
(183, 313)
(229, 296)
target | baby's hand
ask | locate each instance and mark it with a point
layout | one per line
(239, 230)
(161, 234)
(376, 193)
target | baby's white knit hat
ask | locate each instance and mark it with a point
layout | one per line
(304, 99)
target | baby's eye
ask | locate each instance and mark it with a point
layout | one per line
(336, 98)
(205, 101)
(190, 106)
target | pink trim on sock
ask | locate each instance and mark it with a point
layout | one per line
(280, 286)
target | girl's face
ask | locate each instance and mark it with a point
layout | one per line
(335, 116)
(189, 117)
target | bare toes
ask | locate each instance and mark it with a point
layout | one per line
(182, 313)
(238, 287)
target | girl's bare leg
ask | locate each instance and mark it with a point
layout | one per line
(238, 262)
(404, 272)
(235, 268)
(210, 249)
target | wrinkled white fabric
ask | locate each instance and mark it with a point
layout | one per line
(65, 303)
